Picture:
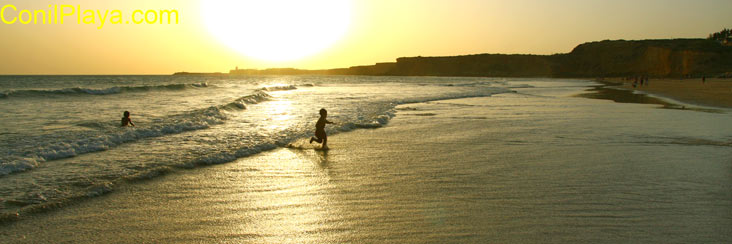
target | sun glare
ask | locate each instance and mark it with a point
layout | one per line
(277, 30)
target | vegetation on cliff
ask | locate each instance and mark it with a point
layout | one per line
(723, 36)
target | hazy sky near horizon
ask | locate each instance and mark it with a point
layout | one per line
(377, 31)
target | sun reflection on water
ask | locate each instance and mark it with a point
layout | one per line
(281, 114)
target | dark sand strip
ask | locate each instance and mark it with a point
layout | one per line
(712, 92)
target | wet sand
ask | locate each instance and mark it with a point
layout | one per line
(713, 92)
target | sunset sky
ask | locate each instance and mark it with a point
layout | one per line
(359, 32)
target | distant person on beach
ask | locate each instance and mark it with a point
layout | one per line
(126, 121)
(320, 135)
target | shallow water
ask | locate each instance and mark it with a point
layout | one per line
(61, 141)
(531, 163)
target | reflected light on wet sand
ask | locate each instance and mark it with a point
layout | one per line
(291, 196)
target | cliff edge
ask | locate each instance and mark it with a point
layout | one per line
(619, 58)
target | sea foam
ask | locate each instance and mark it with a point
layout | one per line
(42, 150)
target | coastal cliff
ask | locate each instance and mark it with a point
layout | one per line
(475, 65)
(656, 58)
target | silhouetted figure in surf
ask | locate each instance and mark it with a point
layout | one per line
(126, 121)
(320, 135)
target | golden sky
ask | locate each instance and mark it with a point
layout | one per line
(376, 31)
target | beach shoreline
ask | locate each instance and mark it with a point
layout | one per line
(712, 92)
(504, 175)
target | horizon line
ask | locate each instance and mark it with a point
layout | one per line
(395, 60)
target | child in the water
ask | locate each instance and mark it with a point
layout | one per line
(126, 119)
(320, 135)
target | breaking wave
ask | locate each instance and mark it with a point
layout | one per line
(99, 91)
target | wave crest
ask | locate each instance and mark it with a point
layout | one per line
(108, 136)
(278, 88)
(99, 91)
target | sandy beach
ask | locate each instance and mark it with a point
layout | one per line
(714, 92)
(347, 121)
(511, 168)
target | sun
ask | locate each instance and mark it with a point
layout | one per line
(277, 30)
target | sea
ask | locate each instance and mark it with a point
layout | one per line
(61, 141)
(61, 138)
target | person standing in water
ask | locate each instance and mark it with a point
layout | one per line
(126, 121)
(320, 135)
